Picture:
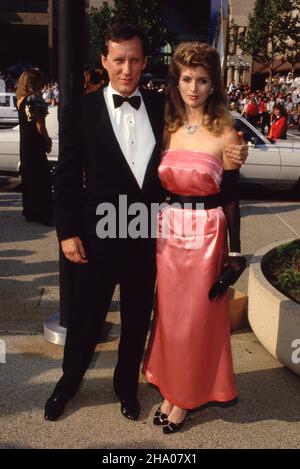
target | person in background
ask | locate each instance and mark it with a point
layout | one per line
(93, 80)
(264, 116)
(2, 83)
(251, 111)
(55, 94)
(34, 144)
(279, 125)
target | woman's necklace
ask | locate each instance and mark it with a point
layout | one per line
(190, 129)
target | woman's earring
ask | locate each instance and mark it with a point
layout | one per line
(211, 91)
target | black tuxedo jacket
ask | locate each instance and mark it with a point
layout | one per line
(92, 168)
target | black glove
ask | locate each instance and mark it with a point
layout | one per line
(231, 207)
(233, 269)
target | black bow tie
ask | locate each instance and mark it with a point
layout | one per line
(134, 101)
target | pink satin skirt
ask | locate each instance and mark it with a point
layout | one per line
(189, 353)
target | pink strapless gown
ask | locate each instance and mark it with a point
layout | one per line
(189, 353)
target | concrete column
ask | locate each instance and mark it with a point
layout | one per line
(71, 49)
(71, 64)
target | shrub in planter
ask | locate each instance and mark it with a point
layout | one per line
(283, 270)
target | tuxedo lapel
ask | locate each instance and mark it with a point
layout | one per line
(156, 119)
(152, 114)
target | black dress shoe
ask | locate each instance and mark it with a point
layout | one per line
(63, 392)
(131, 409)
(159, 417)
(171, 427)
(55, 407)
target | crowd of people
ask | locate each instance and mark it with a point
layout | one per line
(7, 82)
(259, 106)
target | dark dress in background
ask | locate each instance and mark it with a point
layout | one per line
(35, 170)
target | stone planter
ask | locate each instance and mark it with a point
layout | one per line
(274, 318)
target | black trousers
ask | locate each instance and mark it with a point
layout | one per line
(131, 263)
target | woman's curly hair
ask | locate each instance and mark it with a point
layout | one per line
(216, 113)
(30, 82)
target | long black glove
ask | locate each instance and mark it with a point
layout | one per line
(233, 269)
(234, 266)
(231, 207)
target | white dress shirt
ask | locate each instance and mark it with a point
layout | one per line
(133, 131)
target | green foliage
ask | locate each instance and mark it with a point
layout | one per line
(289, 281)
(144, 13)
(273, 28)
(285, 269)
(99, 20)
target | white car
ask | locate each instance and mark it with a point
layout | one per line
(8, 109)
(10, 141)
(274, 165)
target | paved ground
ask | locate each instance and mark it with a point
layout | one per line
(268, 412)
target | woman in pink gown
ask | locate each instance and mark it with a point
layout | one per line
(189, 354)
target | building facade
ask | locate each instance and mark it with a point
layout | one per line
(239, 66)
(29, 33)
(24, 33)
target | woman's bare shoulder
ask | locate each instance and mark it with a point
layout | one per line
(230, 136)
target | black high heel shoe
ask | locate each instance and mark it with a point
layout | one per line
(159, 417)
(171, 427)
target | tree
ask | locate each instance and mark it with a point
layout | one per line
(144, 13)
(273, 28)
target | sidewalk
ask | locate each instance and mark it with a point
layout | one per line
(268, 412)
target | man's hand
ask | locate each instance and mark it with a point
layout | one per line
(73, 250)
(237, 153)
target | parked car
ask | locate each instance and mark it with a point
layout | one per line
(10, 141)
(274, 165)
(8, 109)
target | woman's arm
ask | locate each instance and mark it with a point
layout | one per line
(230, 194)
(235, 264)
(231, 138)
(40, 123)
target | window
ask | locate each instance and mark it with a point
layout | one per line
(5, 101)
(241, 126)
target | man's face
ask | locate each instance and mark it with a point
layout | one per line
(124, 63)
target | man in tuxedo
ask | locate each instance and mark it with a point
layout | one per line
(110, 146)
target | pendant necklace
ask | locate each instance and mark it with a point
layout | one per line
(190, 129)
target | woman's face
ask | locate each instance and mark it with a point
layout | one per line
(194, 86)
(277, 112)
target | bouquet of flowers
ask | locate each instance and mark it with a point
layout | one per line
(35, 103)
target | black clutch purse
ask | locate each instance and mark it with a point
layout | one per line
(228, 277)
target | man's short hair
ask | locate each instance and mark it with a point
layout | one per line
(122, 32)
